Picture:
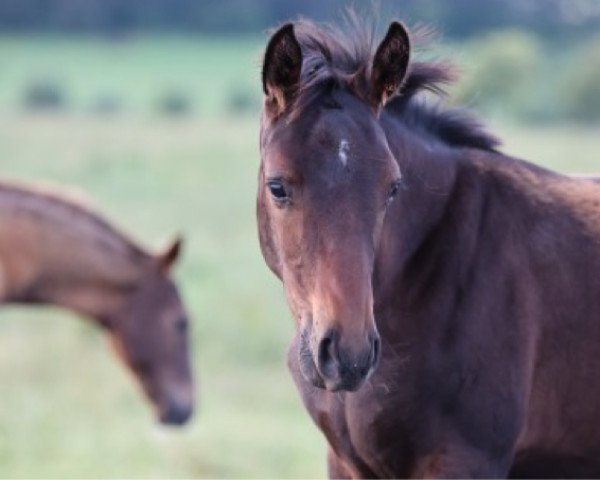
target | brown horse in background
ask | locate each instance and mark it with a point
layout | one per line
(447, 297)
(55, 251)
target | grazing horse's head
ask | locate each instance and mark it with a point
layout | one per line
(327, 176)
(150, 333)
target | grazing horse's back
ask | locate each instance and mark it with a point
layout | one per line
(587, 177)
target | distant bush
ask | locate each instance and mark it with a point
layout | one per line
(174, 103)
(242, 101)
(501, 70)
(579, 91)
(44, 95)
(107, 104)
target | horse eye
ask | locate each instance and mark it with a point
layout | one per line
(181, 325)
(142, 367)
(394, 189)
(277, 190)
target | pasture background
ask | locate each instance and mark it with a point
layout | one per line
(160, 130)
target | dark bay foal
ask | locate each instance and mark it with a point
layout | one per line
(446, 296)
(53, 250)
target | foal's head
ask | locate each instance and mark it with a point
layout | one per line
(150, 333)
(327, 176)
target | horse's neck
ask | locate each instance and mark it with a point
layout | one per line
(42, 262)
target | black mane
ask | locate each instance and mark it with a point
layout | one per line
(456, 127)
(342, 57)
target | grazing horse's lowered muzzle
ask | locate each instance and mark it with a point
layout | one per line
(344, 368)
(176, 414)
(177, 404)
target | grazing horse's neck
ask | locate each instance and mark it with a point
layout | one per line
(97, 299)
(56, 252)
(77, 284)
(66, 282)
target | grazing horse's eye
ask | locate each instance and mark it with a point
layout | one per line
(278, 190)
(142, 367)
(394, 189)
(181, 325)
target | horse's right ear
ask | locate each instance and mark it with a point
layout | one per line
(281, 68)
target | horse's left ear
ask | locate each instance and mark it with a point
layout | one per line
(169, 256)
(281, 68)
(390, 64)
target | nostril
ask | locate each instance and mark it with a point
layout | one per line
(328, 356)
(376, 351)
(176, 414)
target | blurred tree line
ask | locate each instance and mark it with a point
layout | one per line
(456, 18)
(532, 60)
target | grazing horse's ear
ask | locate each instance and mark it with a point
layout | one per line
(390, 64)
(169, 256)
(281, 69)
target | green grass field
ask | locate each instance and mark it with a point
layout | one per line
(137, 71)
(67, 408)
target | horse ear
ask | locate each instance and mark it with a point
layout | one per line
(169, 256)
(390, 63)
(281, 68)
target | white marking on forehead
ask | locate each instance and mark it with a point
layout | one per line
(343, 151)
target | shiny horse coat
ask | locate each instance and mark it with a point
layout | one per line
(446, 296)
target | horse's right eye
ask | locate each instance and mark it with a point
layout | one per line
(142, 367)
(278, 190)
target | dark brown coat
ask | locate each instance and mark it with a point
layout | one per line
(481, 280)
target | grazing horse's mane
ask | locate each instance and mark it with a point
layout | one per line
(336, 56)
(58, 209)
